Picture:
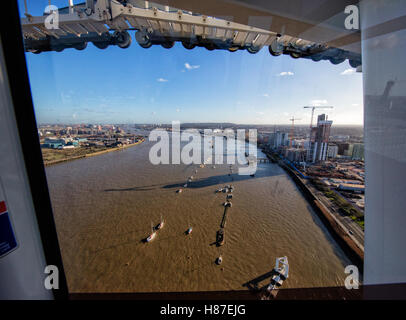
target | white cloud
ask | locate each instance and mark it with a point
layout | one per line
(260, 112)
(177, 110)
(347, 72)
(265, 95)
(190, 67)
(286, 73)
(161, 80)
(318, 102)
(355, 104)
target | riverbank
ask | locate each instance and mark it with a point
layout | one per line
(337, 230)
(71, 154)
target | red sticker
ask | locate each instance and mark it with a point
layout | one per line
(2, 207)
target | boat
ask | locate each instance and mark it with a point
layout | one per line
(151, 236)
(189, 231)
(160, 225)
(228, 204)
(219, 260)
(280, 273)
(179, 191)
(220, 237)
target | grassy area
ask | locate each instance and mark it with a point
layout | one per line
(344, 206)
(51, 155)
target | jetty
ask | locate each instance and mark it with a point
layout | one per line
(223, 220)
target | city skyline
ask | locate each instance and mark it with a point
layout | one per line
(285, 126)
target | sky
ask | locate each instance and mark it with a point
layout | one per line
(158, 85)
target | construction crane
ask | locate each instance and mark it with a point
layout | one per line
(292, 128)
(311, 119)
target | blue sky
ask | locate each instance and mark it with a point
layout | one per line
(158, 85)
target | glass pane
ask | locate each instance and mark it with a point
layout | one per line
(188, 150)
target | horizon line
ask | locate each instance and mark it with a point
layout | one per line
(216, 123)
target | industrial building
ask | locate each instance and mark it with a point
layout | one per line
(360, 188)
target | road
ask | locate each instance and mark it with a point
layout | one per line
(353, 229)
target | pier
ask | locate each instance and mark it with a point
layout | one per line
(223, 220)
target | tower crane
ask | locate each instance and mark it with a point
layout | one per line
(311, 124)
(311, 119)
(292, 128)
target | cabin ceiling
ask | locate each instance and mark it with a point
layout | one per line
(321, 21)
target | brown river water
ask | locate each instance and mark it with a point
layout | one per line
(104, 207)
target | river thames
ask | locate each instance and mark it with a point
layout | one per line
(104, 207)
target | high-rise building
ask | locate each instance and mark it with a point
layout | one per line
(278, 139)
(332, 151)
(295, 155)
(319, 139)
(349, 151)
(358, 151)
(342, 148)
